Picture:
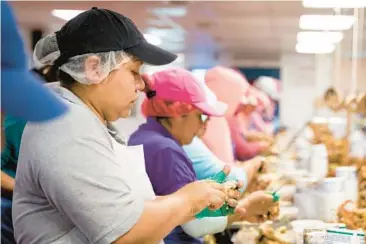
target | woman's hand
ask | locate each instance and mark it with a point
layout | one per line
(252, 167)
(260, 183)
(233, 194)
(253, 164)
(7, 182)
(265, 146)
(201, 194)
(258, 206)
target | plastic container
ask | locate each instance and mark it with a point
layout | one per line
(348, 172)
(350, 183)
(335, 225)
(307, 224)
(332, 184)
(319, 161)
(336, 236)
(305, 183)
(306, 204)
(314, 236)
(304, 198)
(300, 225)
(327, 204)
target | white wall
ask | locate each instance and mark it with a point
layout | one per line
(298, 83)
(304, 78)
(345, 75)
(324, 76)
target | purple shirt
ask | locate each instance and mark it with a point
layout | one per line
(167, 166)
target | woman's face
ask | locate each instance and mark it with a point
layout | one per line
(201, 132)
(186, 127)
(332, 100)
(246, 109)
(270, 111)
(120, 90)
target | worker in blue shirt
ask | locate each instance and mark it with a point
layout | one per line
(23, 97)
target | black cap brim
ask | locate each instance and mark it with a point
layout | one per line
(151, 54)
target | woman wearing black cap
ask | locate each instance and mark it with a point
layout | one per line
(77, 181)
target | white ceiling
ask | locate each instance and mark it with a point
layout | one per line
(241, 29)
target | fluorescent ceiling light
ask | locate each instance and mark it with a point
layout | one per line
(66, 14)
(155, 40)
(171, 12)
(334, 3)
(305, 47)
(317, 36)
(326, 22)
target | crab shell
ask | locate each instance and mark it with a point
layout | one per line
(230, 185)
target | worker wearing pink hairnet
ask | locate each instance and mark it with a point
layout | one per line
(247, 143)
(265, 108)
(271, 87)
(222, 133)
(229, 88)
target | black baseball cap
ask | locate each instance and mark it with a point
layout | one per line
(102, 30)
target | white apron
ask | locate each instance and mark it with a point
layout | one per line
(133, 160)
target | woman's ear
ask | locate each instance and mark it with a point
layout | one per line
(93, 69)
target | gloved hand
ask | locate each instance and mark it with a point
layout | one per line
(232, 194)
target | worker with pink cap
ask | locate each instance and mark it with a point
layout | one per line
(248, 143)
(177, 107)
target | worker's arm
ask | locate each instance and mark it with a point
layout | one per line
(7, 182)
(158, 218)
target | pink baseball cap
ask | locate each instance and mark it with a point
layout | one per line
(180, 85)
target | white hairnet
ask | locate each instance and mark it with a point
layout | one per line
(268, 86)
(46, 52)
